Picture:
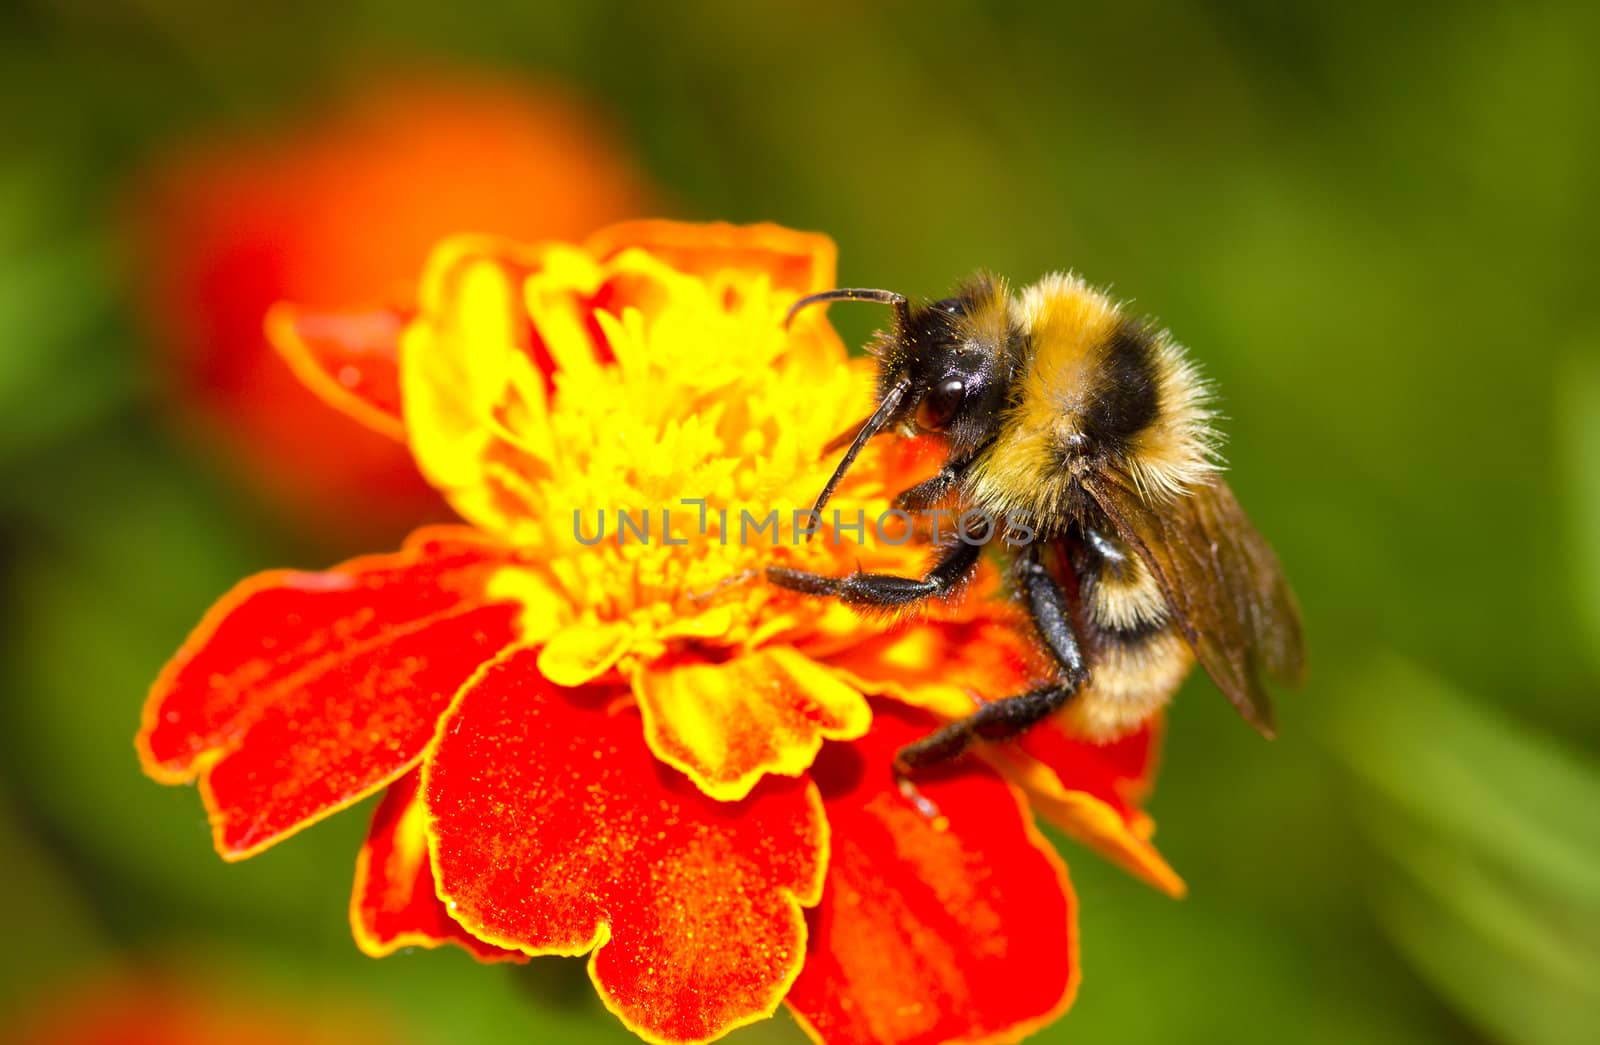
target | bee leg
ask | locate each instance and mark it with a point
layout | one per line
(1047, 608)
(885, 590)
(933, 489)
(996, 720)
(1011, 716)
(937, 486)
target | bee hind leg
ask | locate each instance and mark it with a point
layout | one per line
(1012, 716)
(997, 720)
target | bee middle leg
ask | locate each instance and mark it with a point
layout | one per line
(1012, 716)
(885, 590)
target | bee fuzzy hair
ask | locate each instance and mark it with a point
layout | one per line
(1182, 449)
(1086, 353)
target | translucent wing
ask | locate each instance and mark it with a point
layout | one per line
(1223, 585)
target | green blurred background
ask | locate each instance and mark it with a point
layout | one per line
(1377, 230)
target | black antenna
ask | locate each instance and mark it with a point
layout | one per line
(891, 399)
(902, 310)
(869, 428)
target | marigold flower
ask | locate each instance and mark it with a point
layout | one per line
(598, 746)
(343, 207)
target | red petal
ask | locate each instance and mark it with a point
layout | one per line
(803, 262)
(556, 832)
(1091, 792)
(301, 693)
(960, 927)
(394, 904)
(1120, 773)
(351, 359)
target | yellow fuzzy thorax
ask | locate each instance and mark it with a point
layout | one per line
(1044, 448)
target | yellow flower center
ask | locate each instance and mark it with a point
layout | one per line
(674, 447)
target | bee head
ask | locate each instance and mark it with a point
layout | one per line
(945, 368)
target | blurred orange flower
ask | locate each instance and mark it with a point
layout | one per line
(595, 746)
(148, 1006)
(340, 208)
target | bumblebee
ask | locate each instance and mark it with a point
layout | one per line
(1094, 426)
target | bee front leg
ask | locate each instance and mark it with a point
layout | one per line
(885, 590)
(940, 484)
(933, 489)
(1011, 716)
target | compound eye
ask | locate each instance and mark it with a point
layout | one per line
(938, 408)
